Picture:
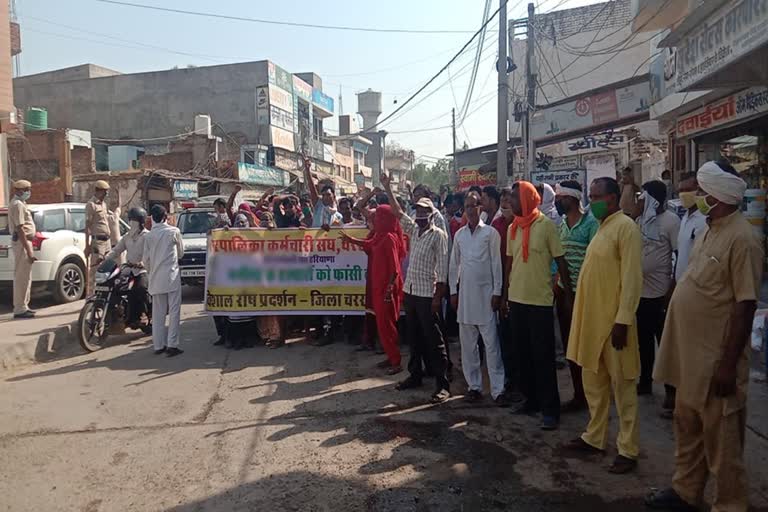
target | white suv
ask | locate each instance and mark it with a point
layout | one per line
(58, 244)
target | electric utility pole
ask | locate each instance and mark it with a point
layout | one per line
(453, 131)
(530, 77)
(501, 149)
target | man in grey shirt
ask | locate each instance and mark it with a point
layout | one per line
(660, 228)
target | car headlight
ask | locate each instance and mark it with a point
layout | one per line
(101, 277)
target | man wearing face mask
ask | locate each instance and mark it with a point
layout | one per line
(511, 366)
(603, 338)
(163, 248)
(660, 228)
(704, 352)
(576, 232)
(691, 227)
(424, 290)
(97, 232)
(133, 245)
(21, 225)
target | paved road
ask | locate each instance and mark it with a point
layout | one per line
(297, 429)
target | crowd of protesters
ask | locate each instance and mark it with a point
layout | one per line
(610, 268)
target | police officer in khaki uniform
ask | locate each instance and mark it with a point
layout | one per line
(22, 228)
(97, 230)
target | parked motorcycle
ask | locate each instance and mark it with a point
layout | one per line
(107, 310)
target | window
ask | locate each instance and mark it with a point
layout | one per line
(51, 220)
(249, 157)
(77, 220)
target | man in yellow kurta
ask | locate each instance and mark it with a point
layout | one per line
(704, 351)
(603, 339)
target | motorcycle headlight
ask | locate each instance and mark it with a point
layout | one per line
(101, 277)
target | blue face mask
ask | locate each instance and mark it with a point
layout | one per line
(25, 195)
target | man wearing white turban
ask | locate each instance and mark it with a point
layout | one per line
(704, 350)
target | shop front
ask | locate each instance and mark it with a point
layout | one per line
(732, 128)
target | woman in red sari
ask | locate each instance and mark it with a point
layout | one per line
(385, 279)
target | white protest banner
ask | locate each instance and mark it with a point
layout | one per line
(253, 272)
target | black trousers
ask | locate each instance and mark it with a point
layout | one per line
(650, 324)
(221, 325)
(532, 331)
(509, 357)
(137, 299)
(426, 340)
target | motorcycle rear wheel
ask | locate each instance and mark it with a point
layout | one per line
(91, 331)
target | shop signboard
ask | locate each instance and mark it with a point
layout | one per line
(662, 71)
(470, 176)
(360, 147)
(302, 89)
(613, 106)
(281, 118)
(553, 177)
(282, 138)
(280, 98)
(564, 163)
(183, 189)
(322, 101)
(283, 79)
(742, 105)
(600, 141)
(728, 34)
(262, 97)
(258, 174)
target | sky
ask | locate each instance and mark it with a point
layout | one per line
(58, 34)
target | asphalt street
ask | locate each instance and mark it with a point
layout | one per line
(300, 428)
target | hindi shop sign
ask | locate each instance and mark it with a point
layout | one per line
(469, 177)
(258, 174)
(742, 105)
(184, 189)
(253, 272)
(552, 178)
(611, 107)
(728, 34)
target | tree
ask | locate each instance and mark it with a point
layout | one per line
(433, 176)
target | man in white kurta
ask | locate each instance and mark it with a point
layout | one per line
(476, 262)
(162, 250)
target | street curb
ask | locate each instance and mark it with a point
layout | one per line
(58, 342)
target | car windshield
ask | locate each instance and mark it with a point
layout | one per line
(196, 222)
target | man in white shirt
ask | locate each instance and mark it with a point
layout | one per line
(660, 229)
(476, 261)
(133, 245)
(162, 251)
(693, 224)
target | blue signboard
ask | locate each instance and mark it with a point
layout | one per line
(259, 174)
(322, 101)
(184, 189)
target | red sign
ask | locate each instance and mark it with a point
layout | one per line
(605, 108)
(582, 107)
(473, 177)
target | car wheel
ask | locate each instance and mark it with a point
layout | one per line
(70, 283)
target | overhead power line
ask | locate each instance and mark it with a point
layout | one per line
(284, 23)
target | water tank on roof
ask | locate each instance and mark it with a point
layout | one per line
(37, 119)
(203, 125)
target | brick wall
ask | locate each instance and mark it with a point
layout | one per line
(179, 162)
(46, 192)
(83, 161)
(567, 22)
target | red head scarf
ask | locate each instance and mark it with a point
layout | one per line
(529, 201)
(386, 226)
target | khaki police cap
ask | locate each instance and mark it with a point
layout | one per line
(102, 185)
(20, 184)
